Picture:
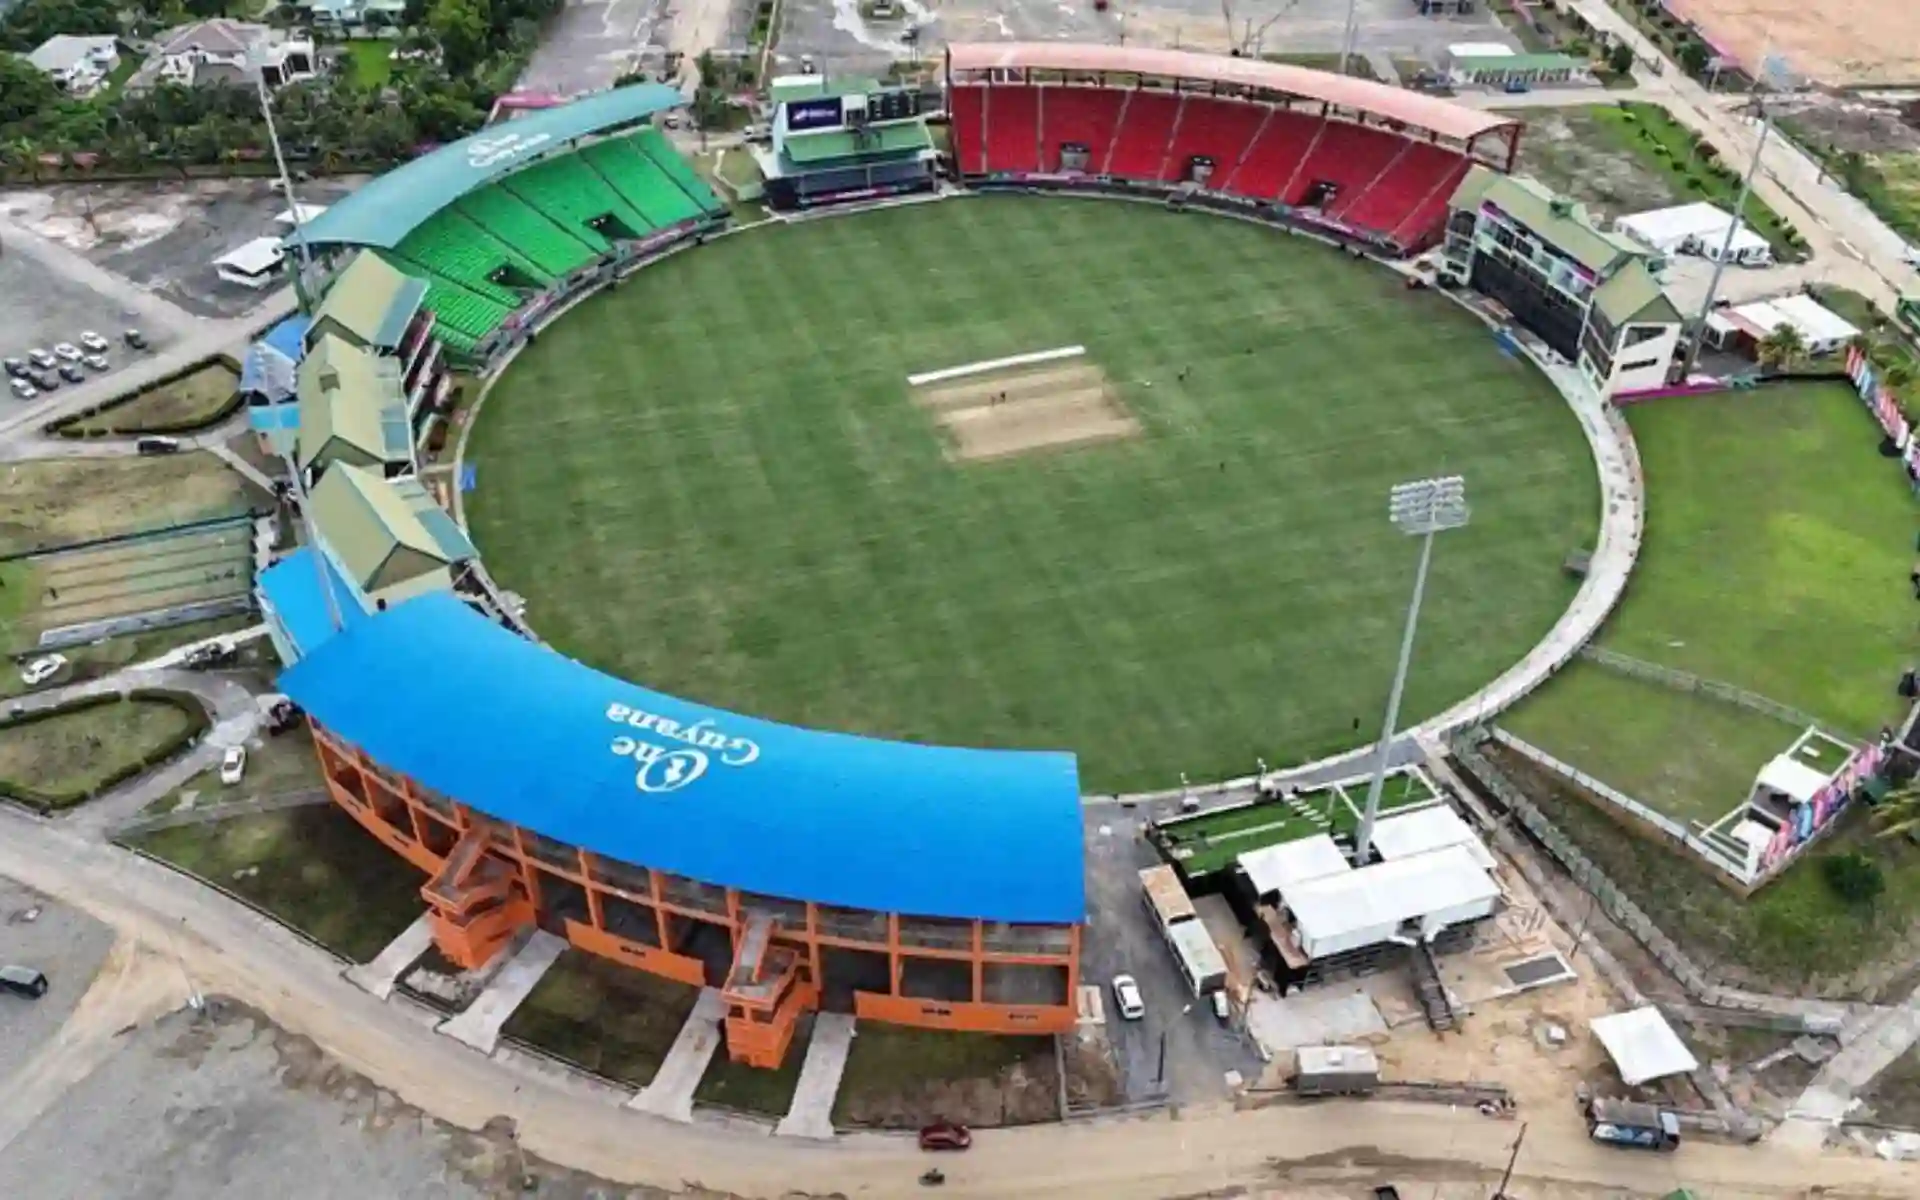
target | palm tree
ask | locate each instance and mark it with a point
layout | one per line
(1898, 813)
(1782, 348)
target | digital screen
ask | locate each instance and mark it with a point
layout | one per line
(892, 106)
(823, 113)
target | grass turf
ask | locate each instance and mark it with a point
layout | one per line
(198, 397)
(714, 481)
(1775, 559)
(75, 752)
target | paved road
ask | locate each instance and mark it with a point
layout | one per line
(229, 949)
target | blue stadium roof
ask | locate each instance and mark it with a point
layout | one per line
(434, 690)
(292, 588)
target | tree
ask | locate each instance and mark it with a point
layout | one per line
(1782, 348)
(1694, 57)
(25, 92)
(463, 28)
(1854, 877)
(34, 21)
(1620, 58)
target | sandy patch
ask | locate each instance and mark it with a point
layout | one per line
(1003, 413)
(1835, 42)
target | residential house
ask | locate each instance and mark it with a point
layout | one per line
(354, 14)
(80, 65)
(216, 52)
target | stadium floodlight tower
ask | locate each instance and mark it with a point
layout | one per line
(1419, 509)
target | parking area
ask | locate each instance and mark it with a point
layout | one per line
(68, 946)
(40, 307)
(586, 47)
(1198, 1049)
(837, 37)
(223, 1105)
(163, 236)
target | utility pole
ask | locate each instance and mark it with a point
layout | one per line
(303, 257)
(1506, 1176)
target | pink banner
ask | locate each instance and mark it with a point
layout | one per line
(1809, 819)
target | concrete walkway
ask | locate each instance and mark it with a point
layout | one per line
(811, 1113)
(479, 1026)
(1868, 1047)
(384, 971)
(670, 1095)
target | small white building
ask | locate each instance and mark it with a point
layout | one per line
(1405, 900)
(79, 65)
(256, 264)
(1643, 1046)
(1822, 331)
(227, 52)
(1698, 229)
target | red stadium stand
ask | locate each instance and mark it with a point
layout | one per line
(1077, 116)
(1273, 161)
(1013, 129)
(1146, 131)
(1222, 130)
(966, 108)
(1376, 162)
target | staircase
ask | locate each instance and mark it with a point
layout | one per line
(476, 902)
(1428, 989)
(768, 989)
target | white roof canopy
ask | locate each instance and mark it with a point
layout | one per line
(1793, 778)
(1666, 228)
(1289, 864)
(1426, 829)
(1387, 893)
(258, 255)
(1643, 1046)
(299, 214)
(1817, 325)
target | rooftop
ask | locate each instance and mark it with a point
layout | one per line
(433, 690)
(827, 145)
(1411, 108)
(65, 51)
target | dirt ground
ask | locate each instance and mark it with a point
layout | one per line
(1846, 123)
(1564, 150)
(1003, 413)
(1840, 43)
(901, 1078)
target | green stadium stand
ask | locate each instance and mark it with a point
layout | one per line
(568, 191)
(461, 318)
(556, 250)
(641, 182)
(450, 245)
(654, 145)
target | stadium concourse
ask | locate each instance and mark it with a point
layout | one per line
(788, 870)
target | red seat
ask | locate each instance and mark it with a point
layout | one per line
(1013, 128)
(1274, 159)
(965, 107)
(1221, 130)
(1347, 156)
(1141, 147)
(1078, 115)
(1408, 200)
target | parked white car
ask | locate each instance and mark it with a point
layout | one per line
(93, 343)
(42, 669)
(67, 352)
(233, 765)
(1126, 994)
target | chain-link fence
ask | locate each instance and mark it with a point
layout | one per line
(1683, 681)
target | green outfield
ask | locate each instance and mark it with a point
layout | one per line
(1777, 548)
(717, 481)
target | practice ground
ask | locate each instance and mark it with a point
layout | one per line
(715, 481)
(1776, 557)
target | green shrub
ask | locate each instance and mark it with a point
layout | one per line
(1854, 877)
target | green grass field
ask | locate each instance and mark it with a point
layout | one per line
(714, 481)
(1777, 548)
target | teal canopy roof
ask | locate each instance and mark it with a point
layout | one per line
(389, 208)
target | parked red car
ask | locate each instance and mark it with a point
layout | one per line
(945, 1135)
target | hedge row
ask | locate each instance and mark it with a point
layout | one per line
(47, 802)
(64, 427)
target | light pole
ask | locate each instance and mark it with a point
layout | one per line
(303, 259)
(1419, 509)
